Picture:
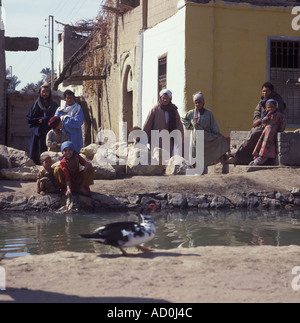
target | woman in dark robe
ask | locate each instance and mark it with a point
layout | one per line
(38, 117)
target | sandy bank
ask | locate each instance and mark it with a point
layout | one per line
(206, 274)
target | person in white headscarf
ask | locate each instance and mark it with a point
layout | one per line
(164, 116)
(200, 118)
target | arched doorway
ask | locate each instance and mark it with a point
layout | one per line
(128, 97)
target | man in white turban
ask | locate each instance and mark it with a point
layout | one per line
(168, 92)
(164, 116)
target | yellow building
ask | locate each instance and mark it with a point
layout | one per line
(226, 49)
(232, 48)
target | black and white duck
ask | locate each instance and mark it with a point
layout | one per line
(127, 234)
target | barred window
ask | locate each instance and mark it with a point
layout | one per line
(285, 54)
(285, 73)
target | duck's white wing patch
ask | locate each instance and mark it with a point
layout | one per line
(126, 233)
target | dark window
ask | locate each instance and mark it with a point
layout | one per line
(162, 73)
(285, 54)
(285, 75)
(130, 3)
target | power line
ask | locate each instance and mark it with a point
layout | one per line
(60, 12)
(78, 3)
(82, 4)
(62, 4)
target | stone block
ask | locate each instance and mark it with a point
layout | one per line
(5, 161)
(19, 158)
(90, 151)
(288, 147)
(151, 167)
(177, 200)
(178, 166)
(20, 173)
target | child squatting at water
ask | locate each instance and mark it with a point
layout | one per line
(70, 177)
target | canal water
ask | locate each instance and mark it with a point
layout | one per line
(35, 234)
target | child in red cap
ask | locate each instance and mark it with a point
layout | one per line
(56, 136)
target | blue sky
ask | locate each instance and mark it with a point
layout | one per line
(27, 18)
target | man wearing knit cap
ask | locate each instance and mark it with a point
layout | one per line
(202, 119)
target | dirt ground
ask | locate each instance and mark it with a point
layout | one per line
(206, 274)
(281, 180)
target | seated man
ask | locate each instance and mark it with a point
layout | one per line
(243, 156)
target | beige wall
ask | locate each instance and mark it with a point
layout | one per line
(160, 11)
(117, 103)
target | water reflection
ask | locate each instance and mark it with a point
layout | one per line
(23, 234)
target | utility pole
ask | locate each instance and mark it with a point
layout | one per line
(51, 41)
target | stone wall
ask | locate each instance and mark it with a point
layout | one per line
(288, 147)
(163, 201)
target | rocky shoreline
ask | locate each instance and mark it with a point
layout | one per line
(128, 187)
(101, 202)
